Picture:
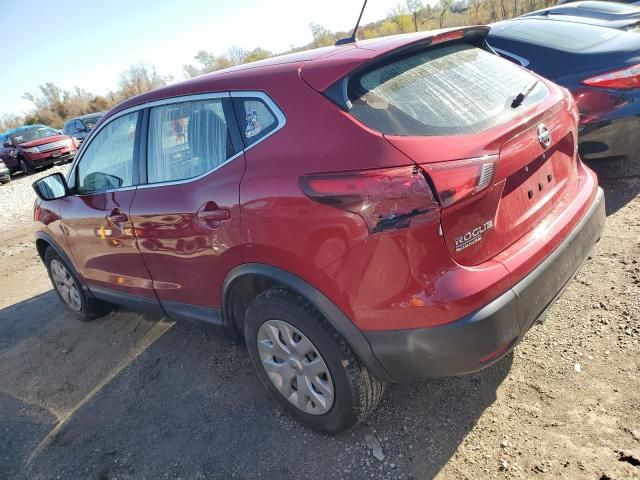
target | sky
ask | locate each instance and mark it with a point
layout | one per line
(88, 44)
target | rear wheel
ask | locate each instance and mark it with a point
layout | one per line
(306, 364)
(70, 291)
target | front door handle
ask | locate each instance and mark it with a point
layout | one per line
(212, 215)
(116, 216)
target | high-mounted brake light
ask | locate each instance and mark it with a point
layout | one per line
(445, 37)
(624, 78)
(460, 179)
(386, 199)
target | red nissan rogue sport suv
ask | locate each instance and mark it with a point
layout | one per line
(384, 211)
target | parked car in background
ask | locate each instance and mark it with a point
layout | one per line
(601, 68)
(78, 128)
(5, 176)
(359, 215)
(607, 14)
(35, 146)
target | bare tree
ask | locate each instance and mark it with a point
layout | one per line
(475, 7)
(140, 78)
(445, 5)
(399, 15)
(237, 55)
(10, 120)
(414, 7)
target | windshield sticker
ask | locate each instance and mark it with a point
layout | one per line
(253, 124)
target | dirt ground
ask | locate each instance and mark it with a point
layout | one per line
(129, 396)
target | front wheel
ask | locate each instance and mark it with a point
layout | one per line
(25, 167)
(306, 364)
(69, 289)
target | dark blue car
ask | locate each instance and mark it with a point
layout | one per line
(607, 14)
(601, 68)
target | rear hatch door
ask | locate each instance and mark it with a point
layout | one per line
(497, 169)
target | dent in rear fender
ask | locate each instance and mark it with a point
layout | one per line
(406, 279)
(331, 312)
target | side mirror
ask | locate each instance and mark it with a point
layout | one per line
(51, 187)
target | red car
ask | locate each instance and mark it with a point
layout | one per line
(35, 146)
(384, 211)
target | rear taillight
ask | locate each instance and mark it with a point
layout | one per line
(454, 181)
(386, 199)
(625, 78)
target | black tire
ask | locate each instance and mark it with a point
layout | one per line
(356, 391)
(90, 308)
(25, 167)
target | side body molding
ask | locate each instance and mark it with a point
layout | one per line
(332, 313)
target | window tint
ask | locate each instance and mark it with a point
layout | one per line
(256, 119)
(450, 90)
(186, 140)
(107, 162)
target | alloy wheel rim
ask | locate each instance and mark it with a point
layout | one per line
(295, 367)
(65, 285)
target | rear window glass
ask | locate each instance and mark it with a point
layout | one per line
(574, 37)
(455, 89)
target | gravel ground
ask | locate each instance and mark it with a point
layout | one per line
(17, 196)
(129, 396)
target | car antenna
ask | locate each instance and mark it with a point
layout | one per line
(352, 38)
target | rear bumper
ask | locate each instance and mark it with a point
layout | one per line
(486, 335)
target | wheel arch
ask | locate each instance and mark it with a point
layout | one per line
(246, 281)
(44, 241)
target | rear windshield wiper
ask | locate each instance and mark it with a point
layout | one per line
(523, 94)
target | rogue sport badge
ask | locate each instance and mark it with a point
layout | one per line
(472, 236)
(544, 136)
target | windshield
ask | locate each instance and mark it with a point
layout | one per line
(34, 133)
(89, 122)
(558, 35)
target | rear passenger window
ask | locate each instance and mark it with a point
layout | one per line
(455, 89)
(256, 119)
(187, 140)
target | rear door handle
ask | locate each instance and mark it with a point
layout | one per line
(210, 213)
(117, 217)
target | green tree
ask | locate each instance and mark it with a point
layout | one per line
(399, 15)
(322, 37)
(257, 54)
